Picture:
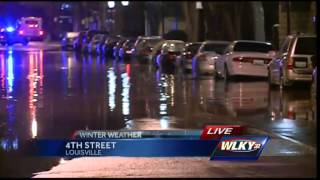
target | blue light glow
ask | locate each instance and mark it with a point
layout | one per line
(10, 29)
(10, 75)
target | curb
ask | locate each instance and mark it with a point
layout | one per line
(276, 135)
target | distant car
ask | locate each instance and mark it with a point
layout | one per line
(125, 51)
(190, 51)
(117, 47)
(88, 37)
(245, 58)
(209, 51)
(94, 43)
(67, 40)
(31, 28)
(144, 45)
(170, 50)
(294, 61)
(77, 42)
(110, 42)
(10, 36)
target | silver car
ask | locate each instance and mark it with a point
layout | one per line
(294, 61)
(170, 52)
(189, 52)
(208, 52)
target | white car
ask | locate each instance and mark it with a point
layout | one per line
(208, 52)
(245, 58)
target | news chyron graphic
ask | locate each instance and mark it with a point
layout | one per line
(217, 142)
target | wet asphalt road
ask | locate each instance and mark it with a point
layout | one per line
(48, 93)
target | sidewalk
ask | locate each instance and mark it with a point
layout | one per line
(107, 167)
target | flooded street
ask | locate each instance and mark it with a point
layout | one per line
(49, 94)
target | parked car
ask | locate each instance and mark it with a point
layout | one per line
(170, 50)
(10, 36)
(144, 45)
(77, 42)
(125, 51)
(117, 47)
(96, 39)
(190, 51)
(245, 58)
(110, 42)
(205, 59)
(88, 37)
(67, 40)
(294, 61)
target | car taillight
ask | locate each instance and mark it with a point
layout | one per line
(291, 115)
(20, 32)
(290, 63)
(250, 59)
(243, 59)
(188, 55)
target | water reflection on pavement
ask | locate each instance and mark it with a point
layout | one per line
(52, 94)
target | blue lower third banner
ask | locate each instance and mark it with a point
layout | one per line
(123, 147)
(226, 148)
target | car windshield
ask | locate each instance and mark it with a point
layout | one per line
(306, 45)
(150, 42)
(218, 48)
(173, 46)
(31, 22)
(193, 48)
(98, 37)
(252, 47)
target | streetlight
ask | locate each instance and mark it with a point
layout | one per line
(125, 3)
(111, 4)
(200, 23)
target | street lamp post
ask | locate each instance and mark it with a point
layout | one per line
(200, 19)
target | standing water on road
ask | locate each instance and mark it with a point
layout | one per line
(51, 94)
